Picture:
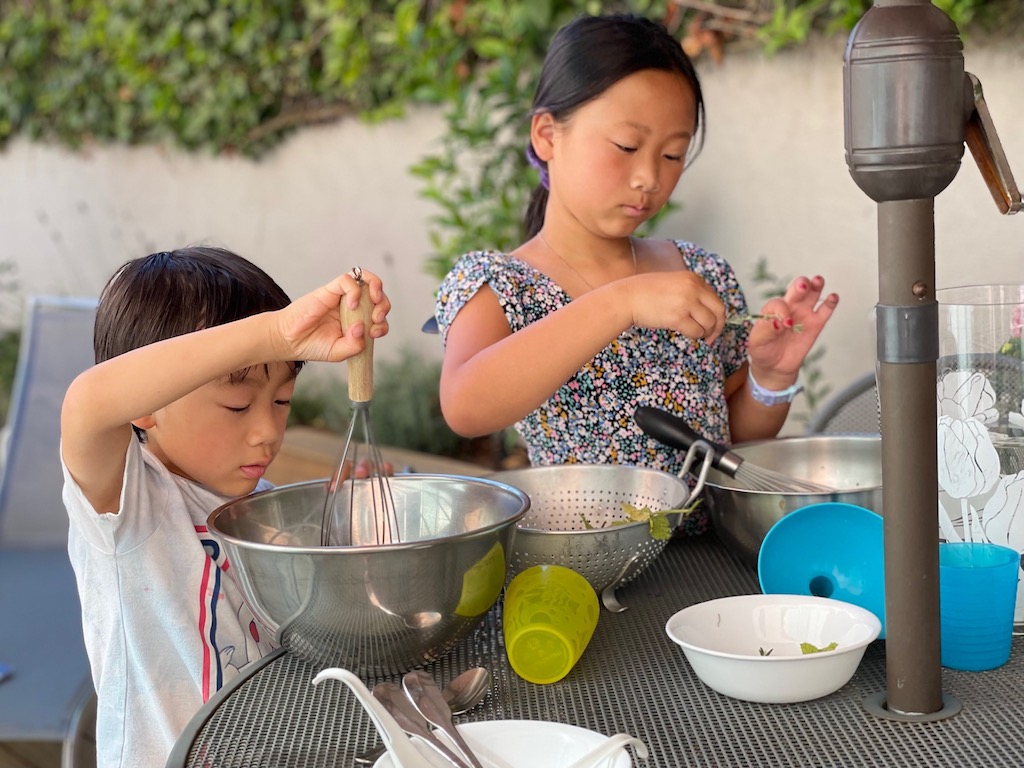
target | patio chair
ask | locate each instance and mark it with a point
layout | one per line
(41, 625)
(853, 410)
(56, 345)
(79, 749)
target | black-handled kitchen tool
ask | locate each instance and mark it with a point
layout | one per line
(674, 431)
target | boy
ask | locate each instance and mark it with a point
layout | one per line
(197, 352)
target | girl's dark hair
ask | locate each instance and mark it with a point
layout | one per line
(589, 55)
(172, 293)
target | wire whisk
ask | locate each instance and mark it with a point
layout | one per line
(363, 506)
(674, 431)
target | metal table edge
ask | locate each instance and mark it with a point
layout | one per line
(183, 744)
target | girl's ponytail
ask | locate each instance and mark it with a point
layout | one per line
(539, 198)
(535, 211)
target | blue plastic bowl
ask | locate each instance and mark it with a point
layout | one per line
(828, 550)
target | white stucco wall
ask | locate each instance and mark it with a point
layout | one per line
(772, 181)
(326, 200)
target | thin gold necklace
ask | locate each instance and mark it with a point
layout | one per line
(632, 252)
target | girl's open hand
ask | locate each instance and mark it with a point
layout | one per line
(310, 327)
(780, 342)
(680, 301)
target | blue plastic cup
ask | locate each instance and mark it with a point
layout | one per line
(977, 590)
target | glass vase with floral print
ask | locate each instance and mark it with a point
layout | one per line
(980, 390)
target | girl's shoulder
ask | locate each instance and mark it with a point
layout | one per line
(695, 256)
(517, 285)
(485, 265)
(715, 270)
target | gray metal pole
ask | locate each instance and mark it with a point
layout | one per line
(907, 350)
(905, 116)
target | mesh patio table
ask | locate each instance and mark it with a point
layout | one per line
(632, 679)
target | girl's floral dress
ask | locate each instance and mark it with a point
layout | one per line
(590, 418)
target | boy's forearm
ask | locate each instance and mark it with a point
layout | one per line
(137, 383)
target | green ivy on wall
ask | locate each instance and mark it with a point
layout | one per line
(239, 75)
(227, 75)
(236, 75)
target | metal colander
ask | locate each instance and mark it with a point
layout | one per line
(561, 496)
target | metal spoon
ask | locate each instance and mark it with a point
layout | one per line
(462, 694)
(406, 715)
(423, 691)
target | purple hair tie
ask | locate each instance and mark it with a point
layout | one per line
(540, 165)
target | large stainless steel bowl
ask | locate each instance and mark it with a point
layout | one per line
(374, 609)
(850, 463)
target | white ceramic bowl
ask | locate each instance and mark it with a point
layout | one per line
(522, 744)
(724, 639)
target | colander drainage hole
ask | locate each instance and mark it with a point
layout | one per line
(821, 586)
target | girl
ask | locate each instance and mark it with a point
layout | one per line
(584, 322)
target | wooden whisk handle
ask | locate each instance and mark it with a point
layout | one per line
(360, 366)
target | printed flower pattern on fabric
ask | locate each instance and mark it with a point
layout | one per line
(981, 465)
(590, 418)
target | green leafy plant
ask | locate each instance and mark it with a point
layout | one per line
(10, 339)
(9, 342)
(239, 75)
(788, 23)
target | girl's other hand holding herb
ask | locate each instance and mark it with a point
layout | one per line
(776, 352)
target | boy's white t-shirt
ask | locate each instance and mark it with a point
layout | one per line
(165, 622)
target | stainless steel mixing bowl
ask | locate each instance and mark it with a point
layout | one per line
(374, 609)
(850, 463)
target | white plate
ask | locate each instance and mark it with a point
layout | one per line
(522, 744)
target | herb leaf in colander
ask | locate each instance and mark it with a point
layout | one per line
(657, 522)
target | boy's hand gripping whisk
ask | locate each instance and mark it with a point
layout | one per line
(364, 505)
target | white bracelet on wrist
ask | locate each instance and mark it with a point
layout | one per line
(771, 397)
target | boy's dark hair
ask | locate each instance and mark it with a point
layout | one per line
(172, 293)
(589, 55)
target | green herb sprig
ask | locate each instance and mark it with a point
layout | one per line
(737, 320)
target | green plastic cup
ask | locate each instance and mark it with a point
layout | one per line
(549, 615)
